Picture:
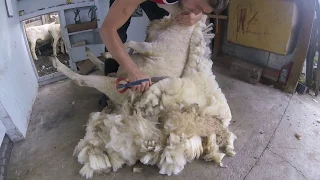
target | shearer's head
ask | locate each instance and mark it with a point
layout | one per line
(203, 6)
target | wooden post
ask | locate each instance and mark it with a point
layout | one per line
(306, 11)
(218, 38)
(218, 34)
(310, 55)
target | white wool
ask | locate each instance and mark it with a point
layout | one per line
(98, 161)
(151, 151)
(115, 159)
(193, 148)
(83, 156)
(173, 158)
(123, 144)
(44, 33)
(213, 150)
(137, 170)
(81, 145)
(230, 146)
(86, 171)
(177, 120)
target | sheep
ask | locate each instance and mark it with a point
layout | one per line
(55, 33)
(44, 33)
(179, 119)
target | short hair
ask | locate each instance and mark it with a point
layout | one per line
(218, 5)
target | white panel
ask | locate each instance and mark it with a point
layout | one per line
(9, 8)
(137, 28)
(18, 83)
(11, 129)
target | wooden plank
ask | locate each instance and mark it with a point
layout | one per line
(51, 78)
(307, 9)
(79, 53)
(85, 67)
(217, 16)
(88, 30)
(246, 71)
(66, 38)
(225, 60)
(310, 55)
(218, 38)
(270, 73)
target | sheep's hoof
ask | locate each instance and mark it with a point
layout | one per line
(106, 55)
(230, 152)
(87, 49)
(214, 156)
(152, 152)
(54, 61)
(130, 52)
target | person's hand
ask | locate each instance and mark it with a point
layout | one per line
(138, 75)
(188, 19)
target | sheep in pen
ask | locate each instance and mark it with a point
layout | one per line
(179, 119)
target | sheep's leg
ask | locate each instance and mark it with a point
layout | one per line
(39, 52)
(212, 149)
(65, 47)
(144, 48)
(62, 46)
(95, 60)
(54, 45)
(230, 147)
(33, 50)
(104, 84)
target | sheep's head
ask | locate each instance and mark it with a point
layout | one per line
(55, 18)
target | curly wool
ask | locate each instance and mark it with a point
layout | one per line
(177, 120)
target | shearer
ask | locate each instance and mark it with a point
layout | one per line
(113, 31)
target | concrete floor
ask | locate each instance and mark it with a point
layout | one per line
(264, 119)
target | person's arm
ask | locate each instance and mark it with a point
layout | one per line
(118, 14)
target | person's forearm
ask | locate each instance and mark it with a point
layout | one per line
(115, 46)
(118, 14)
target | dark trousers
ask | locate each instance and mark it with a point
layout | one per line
(153, 12)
